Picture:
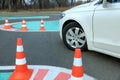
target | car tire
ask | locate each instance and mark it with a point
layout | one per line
(74, 36)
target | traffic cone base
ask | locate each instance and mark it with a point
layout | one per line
(7, 27)
(16, 75)
(42, 28)
(24, 29)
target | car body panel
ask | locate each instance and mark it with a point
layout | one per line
(106, 36)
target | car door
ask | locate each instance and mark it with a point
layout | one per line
(106, 27)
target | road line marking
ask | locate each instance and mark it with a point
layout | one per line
(63, 76)
(54, 73)
(34, 73)
(26, 17)
(41, 74)
(53, 69)
(7, 67)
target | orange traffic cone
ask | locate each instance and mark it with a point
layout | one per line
(77, 69)
(21, 71)
(24, 27)
(42, 28)
(7, 25)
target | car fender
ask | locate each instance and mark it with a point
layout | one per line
(85, 19)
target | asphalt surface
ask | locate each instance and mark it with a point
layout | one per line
(46, 48)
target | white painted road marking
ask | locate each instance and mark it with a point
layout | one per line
(52, 70)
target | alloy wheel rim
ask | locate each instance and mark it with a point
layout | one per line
(75, 37)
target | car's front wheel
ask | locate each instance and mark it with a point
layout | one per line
(74, 36)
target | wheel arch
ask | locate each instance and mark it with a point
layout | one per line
(69, 21)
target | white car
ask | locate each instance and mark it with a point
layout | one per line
(93, 26)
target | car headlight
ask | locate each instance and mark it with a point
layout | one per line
(62, 15)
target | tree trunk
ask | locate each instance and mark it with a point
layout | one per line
(12, 5)
(62, 3)
(71, 2)
(26, 7)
